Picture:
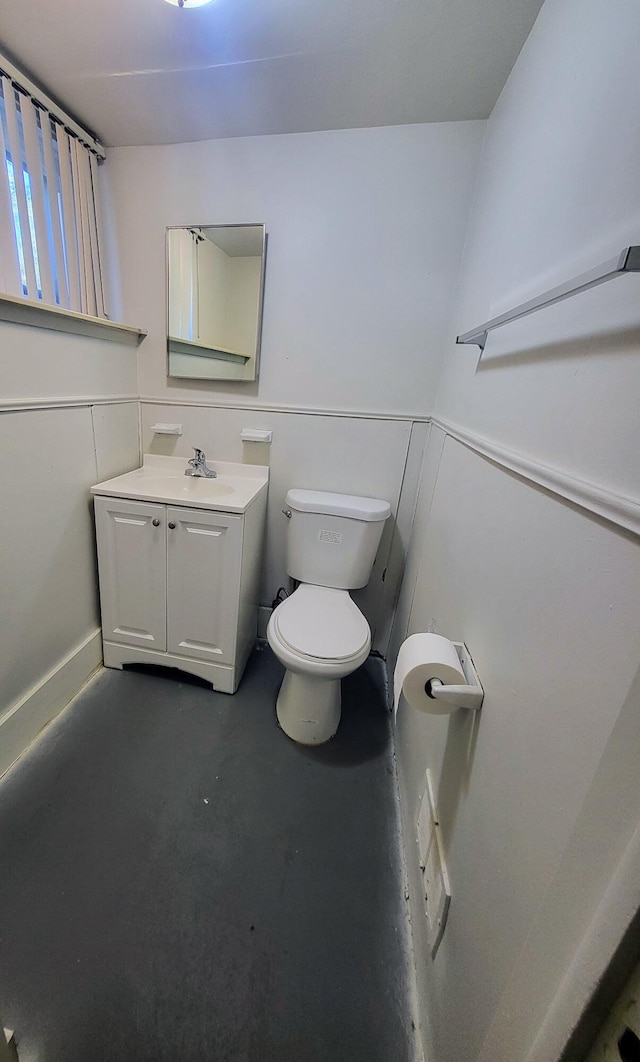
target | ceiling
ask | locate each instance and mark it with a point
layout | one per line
(144, 72)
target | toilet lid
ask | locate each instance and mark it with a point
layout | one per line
(321, 622)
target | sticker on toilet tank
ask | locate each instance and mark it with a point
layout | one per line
(330, 536)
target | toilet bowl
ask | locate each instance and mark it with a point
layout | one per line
(318, 632)
(320, 635)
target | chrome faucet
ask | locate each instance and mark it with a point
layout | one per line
(198, 465)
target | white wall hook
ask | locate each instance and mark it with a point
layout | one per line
(468, 696)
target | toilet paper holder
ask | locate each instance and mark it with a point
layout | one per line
(468, 696)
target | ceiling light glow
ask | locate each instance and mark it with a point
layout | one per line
(188, 3)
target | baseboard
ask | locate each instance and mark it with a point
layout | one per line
(223, 677)
(22, 723)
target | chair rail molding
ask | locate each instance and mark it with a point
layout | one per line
(618, 509)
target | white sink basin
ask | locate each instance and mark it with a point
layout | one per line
(162, 479)
(189, 486)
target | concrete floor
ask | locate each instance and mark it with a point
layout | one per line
(180, 881)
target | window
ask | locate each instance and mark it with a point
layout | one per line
(50, 249)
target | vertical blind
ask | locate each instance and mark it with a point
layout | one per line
(50, 239)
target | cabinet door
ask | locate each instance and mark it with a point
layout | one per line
(132, 563)
(204, 551)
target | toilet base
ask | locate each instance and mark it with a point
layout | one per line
(308, 708)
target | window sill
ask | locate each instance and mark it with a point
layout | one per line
(39, 315)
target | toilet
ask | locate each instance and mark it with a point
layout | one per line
(318, 632)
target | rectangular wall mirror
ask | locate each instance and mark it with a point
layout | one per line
(215, 287)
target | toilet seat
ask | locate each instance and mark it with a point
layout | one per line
(321, 623)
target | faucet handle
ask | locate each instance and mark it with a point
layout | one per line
(199, 466)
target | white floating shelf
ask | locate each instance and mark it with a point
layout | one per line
(257, 435)
(167, 429)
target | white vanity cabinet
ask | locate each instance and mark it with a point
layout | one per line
(179, 585)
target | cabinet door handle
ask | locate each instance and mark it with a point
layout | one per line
(156, 523)
(172, 526)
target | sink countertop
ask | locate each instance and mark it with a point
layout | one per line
(162, 479)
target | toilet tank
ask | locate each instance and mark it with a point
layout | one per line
(333, 539)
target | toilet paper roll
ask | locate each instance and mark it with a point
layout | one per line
(423, 657)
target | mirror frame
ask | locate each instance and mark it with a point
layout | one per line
(233, 225)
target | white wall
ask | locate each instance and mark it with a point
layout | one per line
(243, 311)
(68, 417)
(537, 796)
(365, 231)
(213, 294)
